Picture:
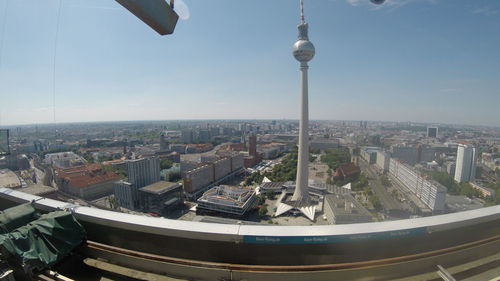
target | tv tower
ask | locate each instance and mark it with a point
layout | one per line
(303, 51)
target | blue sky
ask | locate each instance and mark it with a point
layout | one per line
(409, 60)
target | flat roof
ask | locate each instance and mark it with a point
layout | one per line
(160, 187)
(9, 179)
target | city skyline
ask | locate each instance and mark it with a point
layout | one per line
(112, 67)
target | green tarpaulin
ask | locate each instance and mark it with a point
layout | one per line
(17, 216)
(43, 242)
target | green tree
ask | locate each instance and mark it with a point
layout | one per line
(385, 181)
(270, 194)
(336, 156)
(375, 202)
(87, 156)
(166, 164)
(262, 211)
(255, 177)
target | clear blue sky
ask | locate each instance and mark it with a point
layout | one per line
(410, 60)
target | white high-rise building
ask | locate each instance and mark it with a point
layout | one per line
(465, 169)
(142, 172)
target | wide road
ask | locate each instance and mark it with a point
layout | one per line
(386, 199)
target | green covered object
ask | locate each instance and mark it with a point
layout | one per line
(17, 216)
(43, 242)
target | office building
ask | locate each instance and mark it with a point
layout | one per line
(369, 154)
(406, 154)
(144, 171)
(465, 168)
(126, 194)
(204, 135)
(226, 200)
(161, 197)
(344, 209)
(323, 144)
(187, 136)
(382, 160)
(432, 132)
(252, 145)
(429, 192)
(210, 174)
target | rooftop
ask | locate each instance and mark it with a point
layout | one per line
(160, 187)
(9, 179)
(227, 195)
(86, 175)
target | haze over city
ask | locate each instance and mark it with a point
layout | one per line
(423, 61)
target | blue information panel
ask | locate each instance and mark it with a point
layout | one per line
(4, 142)
(331, 238)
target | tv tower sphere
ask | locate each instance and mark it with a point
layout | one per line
(303, 49)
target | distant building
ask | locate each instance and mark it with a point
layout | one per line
(344, 209)
(272, 150)
(369, 154)
(127, 195)
(226, 200)
(431, 193)
(161, 197)
(88, 182)
(198, 178)
(142, 172)
(274, 187)
(486, 192)
(163, 142)
(382, 161)
(204, 135)
(63, 159)
(465, 169)
(432, 132)
(179, 148)
(15, 161)
(407, 154)
(323, 143)
(210, 174)
(214, 131)
(187, 136)
(347, 171)
(450, 168)
(252, 145)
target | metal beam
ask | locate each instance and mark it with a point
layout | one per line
(444, 274)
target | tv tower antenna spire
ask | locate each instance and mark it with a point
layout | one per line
(302, 11)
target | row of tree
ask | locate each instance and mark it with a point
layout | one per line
(454, 188)
(336, 156)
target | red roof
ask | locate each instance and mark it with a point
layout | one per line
(347, 170)
(86, 175)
